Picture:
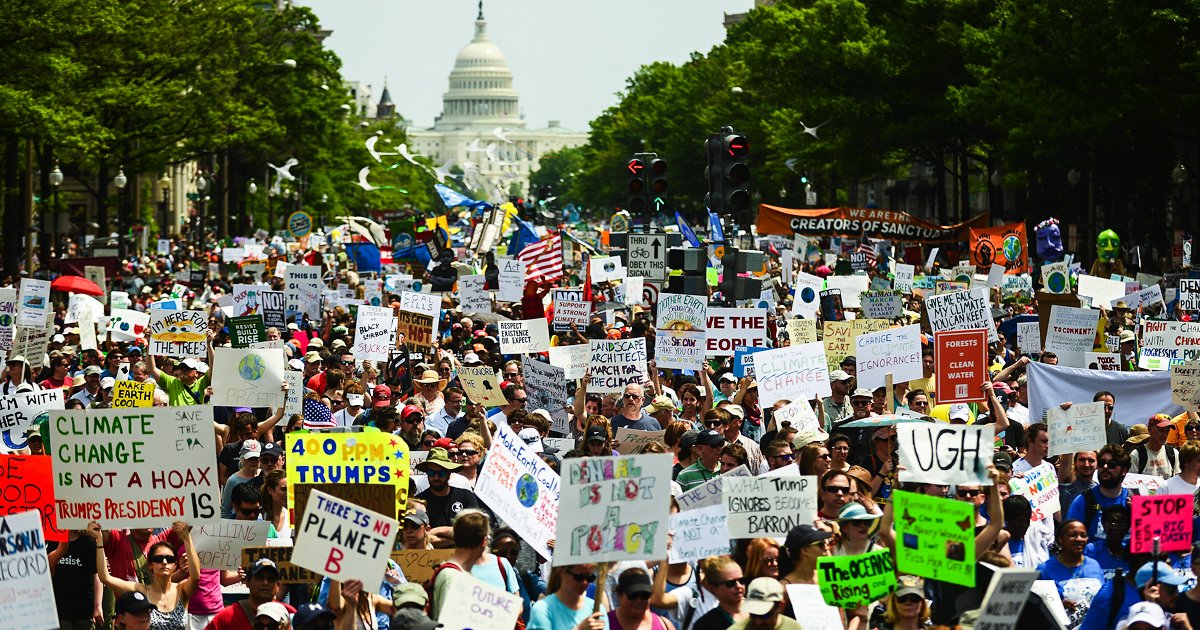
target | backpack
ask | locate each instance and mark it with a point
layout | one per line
(1143, 455)
(433, 580)
(1092, 506)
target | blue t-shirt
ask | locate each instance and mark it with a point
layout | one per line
(1052, 569)
(1078, 510)
(1100, 611)
(551, 614)
(1108, 562)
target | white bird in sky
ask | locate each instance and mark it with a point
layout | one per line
(501, 134)
(491, 154)
(362, 179)
(403, 149)
(285, 171)
(812, 131)
(370, 142)
(442, 173)
(473, 146)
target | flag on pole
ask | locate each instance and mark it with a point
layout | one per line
(543, 259)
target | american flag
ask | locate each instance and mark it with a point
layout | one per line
(866, 246)
(317, 415)
(543, 259)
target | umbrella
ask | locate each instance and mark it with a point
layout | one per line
(881, 421)
(76, 284)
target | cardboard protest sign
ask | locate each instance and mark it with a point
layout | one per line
(853, 581)
(802, 330)
(1072, 332)
(1104, 361)
(961, 365)
(572, 359)
(472, 604)
(136, 468)
(807, 298)
(28, 601)
(472, 294)
(743, 361)
(32, 343)
(482, 386)
(935, 537)
(414, 331)
(1005, 598)
(524, 336)
(1164, 343)
(793, 372)
(839, 338)
(303, 290)
(27, 483)
(731, 328)
(220, 544)
(178, 334)
(511, 280)
(247, 377)
(246, 330)
(630, 441)
(699, 533)
(709, 493)
(817, 614)
(947, 454)
(614, 508)
(1040, 486)
(769, 506)
(370, 457)
(896, 351)
(680, 338)
(961, 310)
(343, 541)
(374, 333)
(546, 388)
(33, 307)
(1167, 517)
(615, 363)
(128, 393)
(521, 489)
(1080, 428)
(418, 565)
(17, 413)
(1185, 385)
(377, 497)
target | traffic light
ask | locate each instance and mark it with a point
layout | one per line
(658, 183)
(735, 286)
(728, 172)
(635, 186)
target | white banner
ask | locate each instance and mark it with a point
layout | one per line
(572, 359)
(961, 310)
(902, 280)
(1164, 343)
(615, 363)
(511, 280)
(28, 601)
(343, 541)
(423, 303)
(524, 336)
(374, 333)
(1072, 331)
(472, 295)
(246, 377)
(220, 544)
(1080, 428)
(733, 328)
(769, 506)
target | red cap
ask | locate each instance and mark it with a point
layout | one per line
(410, 409)
(382, 396)
(443, 443)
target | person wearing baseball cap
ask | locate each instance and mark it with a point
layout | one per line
(246, 473)
(1155, 456)
(596, 442)
(708, 460)
(726, 386)
(133, 611)
(192, 378)
(764, 603)
(443, 501)
(835, 406)
(272, 615)
(312, 616)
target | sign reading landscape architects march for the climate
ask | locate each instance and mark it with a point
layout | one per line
(546, 388)
(1080, 428)
(134, 468)
(769, 506)
(679, 341)
(178, 334)
(219, 545)
(613, 509)
(27, 483)
(1072, 332)
(896, 351)
(374, 331)
(853, 581)
(524, 336)
(732, 328)
(797, 371)
(945, 454)
(1164, 343)
(521, 489)
(28, 601)
(17, 413)
(347, 458)
(615, 363)
(935, 537)
(961, 310)
(247, 377)
(343, 541)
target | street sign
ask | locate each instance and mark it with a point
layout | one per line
(650, 294)
(648, 256)
(299, 224)
(618, 223)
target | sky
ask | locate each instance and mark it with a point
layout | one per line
(569, 58)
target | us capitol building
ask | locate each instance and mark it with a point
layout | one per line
(480, 99)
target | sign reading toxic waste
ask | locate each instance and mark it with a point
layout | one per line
(961, 365)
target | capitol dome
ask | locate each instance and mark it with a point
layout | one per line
(481, 92)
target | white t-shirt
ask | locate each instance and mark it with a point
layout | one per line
(1176, 485)
(1156, 462)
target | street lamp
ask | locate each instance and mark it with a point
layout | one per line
(122, 216)
(201, 198)
(164, 206)
(56, 180)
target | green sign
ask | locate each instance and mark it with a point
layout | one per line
(935, 537)
(853, 581)
(246, 330)
(299, 224)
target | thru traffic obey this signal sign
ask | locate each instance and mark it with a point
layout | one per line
(648, 256)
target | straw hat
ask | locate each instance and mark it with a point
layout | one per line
(429, 377)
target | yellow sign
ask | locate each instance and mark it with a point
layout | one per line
(132, 394)
(370, 457)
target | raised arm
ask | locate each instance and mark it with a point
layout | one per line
(983, 542)
(184, 532)
(116, 584)
(998, 414)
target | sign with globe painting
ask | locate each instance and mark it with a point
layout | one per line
(1001, 245)
(247, 377)
(521, 489)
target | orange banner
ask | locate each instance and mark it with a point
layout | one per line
(1001, 245)
(856, 222)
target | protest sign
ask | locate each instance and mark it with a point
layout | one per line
(1185, 385)
(895, 351)
(273, 309)
(246, 330)
(1102, 291)
(343, 541)
(816, 613)
(8, 309)
(881, 305)
(521, 489)
(511, 280)
(546, 388)
(1189, 294)
(947, 454)
(28, 592)
(799, 415)
(1040, 486)
(1164, 343)
(472, 294)
(1143, 484)
(482, 386)
(127, 325)
(1106, 361)
(423, 303)
(1167, 517)
(33, 305)
(32, 343)
(699, 534)
(961, 365)
(732, 328)
(629, 441)
(220, 544)
(795, 372)
(96, 273)
(418, 565)
(567, 312)
(119, 300)
(1072, 331)
(606, 268)
(27, 483)
(839, 338)
(247, 377)
(472, 604)
(743, 361)
(769, 506)
(807, 298)
(294, 402)
(961, 310)
(853, 581)
(851, 288)
(80, 305)
(372, 291)
(139, 468)
(414, 331)
(17, 413)
(902, 279)
(1080, 428)
(615, 363)
(128, 393)
(374, 333)
(802, 330)
(1005, 598)
(935, 537)
(524, 336)
(370, 457)
(614, 508)
(246, 299)
(709, 493)
(572, 359)
(680, 339)
(178, 334)
(303, 290)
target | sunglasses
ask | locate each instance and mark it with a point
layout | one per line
(920, 404)
(633, 396)
(428, 443)
(1108, 463)
(787, 457)
(860, 403)
(266, 625)
(248, 511)
(437, 473)
(967, 494)
(520, 400)
(584, 577)
(729, 583)
(837, 489)
(468, 453)
(510, 375)
(1108, 407)
(162, 559)
(637, 596)
(910, 599)
(825, 456)
(714, 423)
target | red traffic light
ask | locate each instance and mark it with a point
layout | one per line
(635, 166)
(737, 146)
(658, 167)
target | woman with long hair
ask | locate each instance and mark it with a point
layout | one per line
(470, 453)
(567, 605)
(814, 459)
(170, 599)
(906, 609)
(839, 450)
(857, 527)
(274, 503)
(762, 558)
(694, 402)
(804, 544)
(733, 455)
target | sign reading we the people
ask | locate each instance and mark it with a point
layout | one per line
(134, 468)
